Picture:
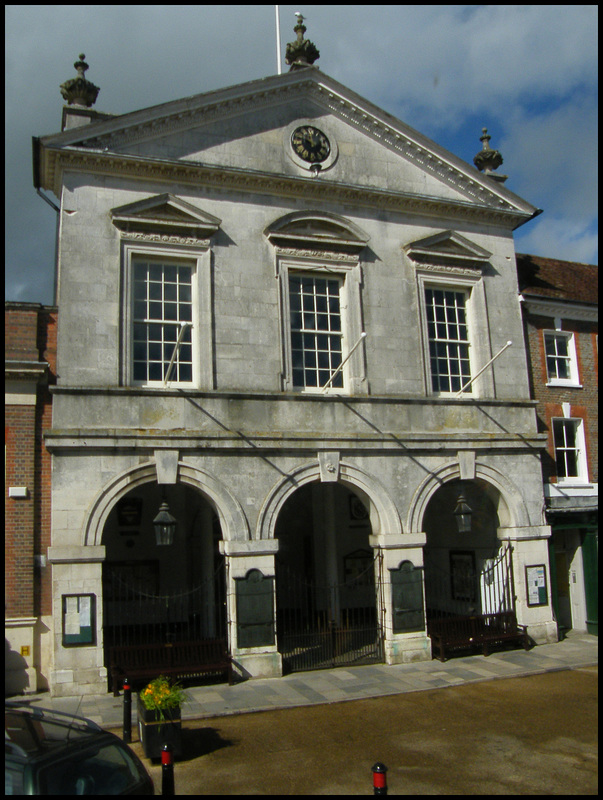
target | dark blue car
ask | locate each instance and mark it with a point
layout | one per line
(49, 752)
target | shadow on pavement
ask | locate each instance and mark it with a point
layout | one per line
(198, 742)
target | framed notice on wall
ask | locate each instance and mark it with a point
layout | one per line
(79, 619)
(536, 585)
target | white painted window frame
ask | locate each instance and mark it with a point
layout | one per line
(569, 336)
(581, 459)
(350, 274)
(477, 327)
(199, 259)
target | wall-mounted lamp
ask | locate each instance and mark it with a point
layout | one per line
(165, 526)
(463, 513)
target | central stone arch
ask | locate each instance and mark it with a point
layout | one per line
(383, 514)
(329, 521)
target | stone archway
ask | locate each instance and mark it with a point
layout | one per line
(338, 487)
(505, 495)
(470, 595)
(328, 580)
(233, 521)
(160, 599)
(384, 517)
(145, 595)
(459, 566)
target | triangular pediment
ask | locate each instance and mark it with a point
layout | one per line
(164, 213)
(447, 248)
(374, 158)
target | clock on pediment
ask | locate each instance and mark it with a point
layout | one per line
(311, 147)
(310, 144)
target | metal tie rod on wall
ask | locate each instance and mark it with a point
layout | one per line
(345, 360)
(184, 326)
(483, 369)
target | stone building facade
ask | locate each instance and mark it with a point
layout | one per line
(560, 306)
(277, 302)
(30, 369)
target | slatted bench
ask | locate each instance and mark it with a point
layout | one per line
(477, 630)
(178, 660)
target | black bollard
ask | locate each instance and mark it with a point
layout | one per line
(379, 778)
(167, 770)
(127, 731)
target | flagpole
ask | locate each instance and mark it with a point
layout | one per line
(483, 369)
(278, 42)
(183, 327)
(343, 363)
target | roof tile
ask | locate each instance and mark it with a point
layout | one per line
(563, 280)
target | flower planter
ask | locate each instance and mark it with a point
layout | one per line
(154, 732)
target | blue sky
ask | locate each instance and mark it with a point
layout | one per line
(527, 73)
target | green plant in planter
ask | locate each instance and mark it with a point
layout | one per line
(161, 695)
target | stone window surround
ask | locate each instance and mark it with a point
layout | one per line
(471, 282)
(163, 305)
(348, 270)
(453, 339)
(199, 256)
(321, 325)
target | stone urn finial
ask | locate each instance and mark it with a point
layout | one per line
(80, 91)
(487, 160)
(301, 53)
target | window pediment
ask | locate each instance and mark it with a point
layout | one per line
(448, 249)
(317, 228)
(164, 214)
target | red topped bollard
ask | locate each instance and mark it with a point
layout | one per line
(379, 778)
(127, 726)
(167, 770)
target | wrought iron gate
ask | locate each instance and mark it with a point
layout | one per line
(323, 626)
(136, 613)
(456, 586)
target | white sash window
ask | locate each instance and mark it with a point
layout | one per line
(316, 331)
(162, 321)
(561, 359)
(448, 337)
(568, 435)
(167, 320)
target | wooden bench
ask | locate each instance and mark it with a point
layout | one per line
(477, 630)
(179, 660)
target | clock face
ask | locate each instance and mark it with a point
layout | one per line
(310, 144)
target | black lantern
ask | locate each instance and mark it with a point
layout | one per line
(165, 526)
(463, 512)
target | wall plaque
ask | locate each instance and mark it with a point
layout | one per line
(255, 609)
(407, 598)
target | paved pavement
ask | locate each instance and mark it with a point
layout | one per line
(353, 683)
(532, 735)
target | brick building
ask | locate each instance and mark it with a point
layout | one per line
(30, 362)
(560, 305)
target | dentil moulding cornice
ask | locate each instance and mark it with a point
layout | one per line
(58, 160)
